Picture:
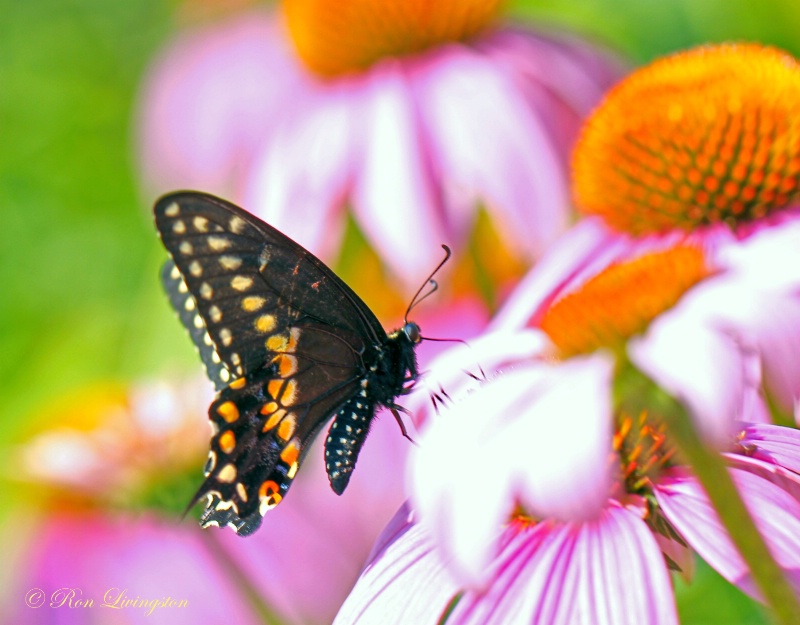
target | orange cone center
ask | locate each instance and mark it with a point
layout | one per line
(335, 38)
(706, 136)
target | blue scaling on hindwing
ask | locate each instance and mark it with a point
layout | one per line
(346, 436)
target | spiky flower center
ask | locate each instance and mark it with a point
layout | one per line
(642, 447)
(335, 38)
(706, 136)
(622, 300)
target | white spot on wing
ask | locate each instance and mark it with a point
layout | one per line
(241, 283)
(230, 263)
(236, 224)
(218, 244)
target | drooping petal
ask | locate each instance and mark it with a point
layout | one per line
(404, 580)
(563, 75)
(778, 335)
(489, 145)
(584, 244)
(775, 512)
(769, 258)
(210, 100)
(463, 368)
(772, 443)
(701, 367)
(571, 573)
(538, 434)
(301, 178)
(563, 471)
(396, 199)
(782, 477)
(757, 298)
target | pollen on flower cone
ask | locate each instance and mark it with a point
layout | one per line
(705, 136)
(335, 38)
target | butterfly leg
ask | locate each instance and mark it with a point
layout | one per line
(396, 410)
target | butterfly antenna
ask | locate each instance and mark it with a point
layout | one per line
(429, 280)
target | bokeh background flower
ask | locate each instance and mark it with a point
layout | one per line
(82, 312)
(414, 116)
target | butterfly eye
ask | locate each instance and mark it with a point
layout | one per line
(411, 330)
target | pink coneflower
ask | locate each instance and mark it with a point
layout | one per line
(550, 490)
(413, 114)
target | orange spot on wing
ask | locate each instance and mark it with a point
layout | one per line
(291, 452)
(227, 442)
(228, 411)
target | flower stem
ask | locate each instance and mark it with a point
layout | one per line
(709, 467)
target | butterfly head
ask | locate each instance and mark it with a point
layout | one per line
(411, 330)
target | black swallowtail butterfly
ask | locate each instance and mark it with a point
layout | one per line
(287, 344)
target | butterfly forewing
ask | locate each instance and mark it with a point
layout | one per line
(249, 281)
(287, 344)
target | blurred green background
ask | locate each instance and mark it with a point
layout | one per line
(80, 300)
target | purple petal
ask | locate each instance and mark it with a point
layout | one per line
(585, 250)
(580, 246)
(538, 433)
(774, 444)
(758, 298)
(560, 444)
(404, 582)
(396, 198)
(769, 258)
(210, 100)
(701, 367)
(301, 179)
(564, 76)
(783, 478)
(777, 327)
(488, 143)
(571, 573)
(457, 370)
(775, 512)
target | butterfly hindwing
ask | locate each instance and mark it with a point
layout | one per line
(185, 305)
(288, 346)
(256, 450)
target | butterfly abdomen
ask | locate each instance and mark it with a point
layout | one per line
(389, 370)
(345, 438)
